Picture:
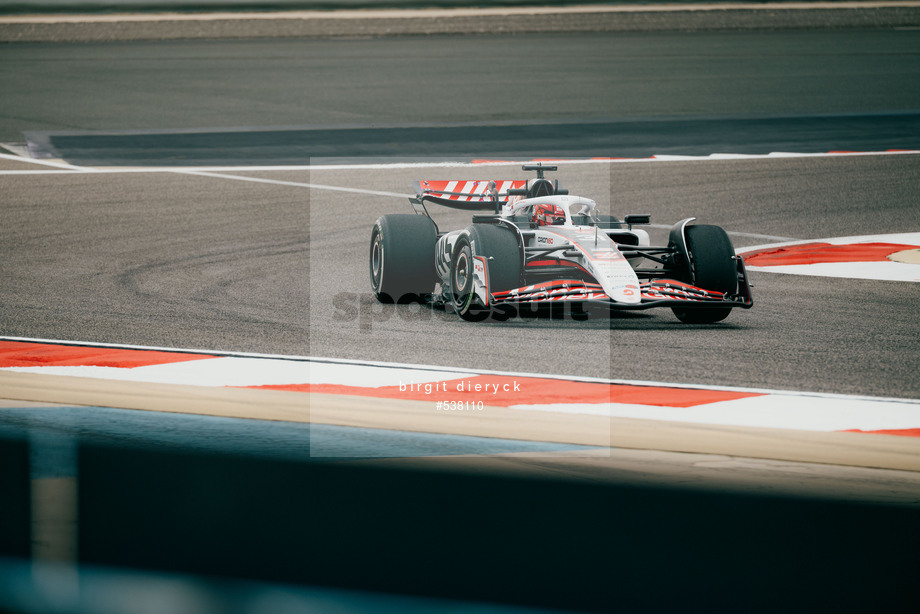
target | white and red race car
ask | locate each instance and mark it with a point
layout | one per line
(541, 245)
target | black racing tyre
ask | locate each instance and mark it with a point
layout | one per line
(503, 261)
(402, 258)
(712, 268)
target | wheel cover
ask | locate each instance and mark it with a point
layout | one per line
(377, 260)
(462, 276)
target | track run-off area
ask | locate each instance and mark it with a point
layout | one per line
(598, 370)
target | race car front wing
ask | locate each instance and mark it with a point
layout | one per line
(655, 293)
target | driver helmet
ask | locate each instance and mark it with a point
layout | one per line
(548, 215)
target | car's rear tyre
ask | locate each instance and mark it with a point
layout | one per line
(712, 267)
(500, 249)
(402, 258)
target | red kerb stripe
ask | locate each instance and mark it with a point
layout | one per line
(27, 354)
(813, 253)
(506, 390)
(901, 432)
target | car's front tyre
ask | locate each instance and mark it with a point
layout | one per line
(712, 267)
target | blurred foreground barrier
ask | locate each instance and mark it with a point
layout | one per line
(15, 496)
(481, 536)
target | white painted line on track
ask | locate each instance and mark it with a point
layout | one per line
(875, 271)
(58, 165)
(221, 172)
(752, 235)
(409, 165)
(733, 233)
(299, 184)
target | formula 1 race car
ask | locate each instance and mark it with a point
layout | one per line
(540, 245)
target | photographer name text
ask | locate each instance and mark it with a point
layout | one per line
(461, 386)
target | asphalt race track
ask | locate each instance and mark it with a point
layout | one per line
(181, 260)
(219, 195)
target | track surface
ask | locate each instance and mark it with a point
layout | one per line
(194, 85)
(184, 260)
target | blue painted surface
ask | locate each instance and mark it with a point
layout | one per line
(54, 431)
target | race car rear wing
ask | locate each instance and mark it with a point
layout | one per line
(472, 195)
